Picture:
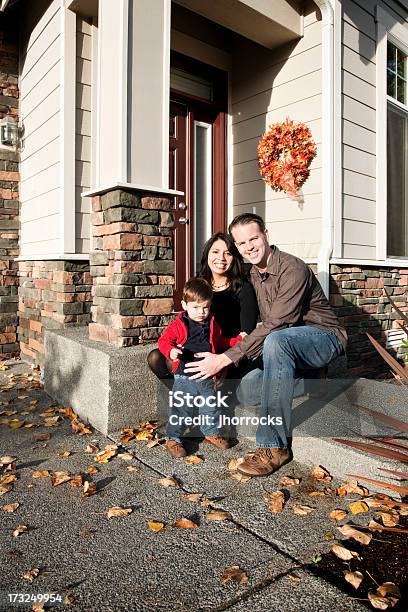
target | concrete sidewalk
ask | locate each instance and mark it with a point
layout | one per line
(119, 563)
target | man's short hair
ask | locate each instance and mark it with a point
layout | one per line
(197, 290)
(246, 218)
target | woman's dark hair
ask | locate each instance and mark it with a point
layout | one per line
(235, 273)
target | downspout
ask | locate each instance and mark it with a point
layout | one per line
(326, 246)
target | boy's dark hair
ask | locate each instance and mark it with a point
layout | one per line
(246, 218)
(197, 290)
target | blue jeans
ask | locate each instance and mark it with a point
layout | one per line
(270, 381)
(193, 397)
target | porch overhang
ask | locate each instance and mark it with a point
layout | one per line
(86, 8)
(268, 23)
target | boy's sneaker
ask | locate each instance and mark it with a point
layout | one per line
(218, 442)
(175, 449)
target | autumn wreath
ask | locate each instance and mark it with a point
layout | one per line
(285, 153)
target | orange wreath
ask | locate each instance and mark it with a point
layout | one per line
(285, 153)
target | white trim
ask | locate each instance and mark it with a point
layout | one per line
(387, 29)
(67, 127)
(97, 109)
(338, 144)
(166, 92)
(328, 101)
(123, 62)
(131, 186)
(4, 4)
(94, 106)
(54, 256)
(377, 263)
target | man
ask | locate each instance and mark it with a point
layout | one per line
(298, 329)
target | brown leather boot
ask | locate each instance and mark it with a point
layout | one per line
(264, 461)
(175, 449)
(218, 442)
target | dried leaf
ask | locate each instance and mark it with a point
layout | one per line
(117, 511)
(358, 507)
(5, 489)
(6, 460)
(354, 578)
(125, 456)
(240, 477)
(275, 501)
(128, 434)
(152, 443)
(234, 574)
(341, 552)
(91, 449)
(40, 474)
(91, 470)
(59, 478)
(42, 437)
(155, 526)
(386, 596)
(143, 435)
(15, 423)
(321, 474)
(167, 482)
(194, 460)
(6, 480)
(389, 519)
(373, 525)
(287, 481)
(302, 510)
(193, 497)
(77, 481)
(185, 523)
(65, 454)
(111, 450)
(69, 600)
(351, 532)
(217, 515)
(294, 577)
(19, 530)
(80, 428)
(338, 515)
(351, 487)
(132, 468)
(31, 574)
(89, 488)
(51, 421)
(11, 507)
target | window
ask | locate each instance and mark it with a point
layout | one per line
(397, 153)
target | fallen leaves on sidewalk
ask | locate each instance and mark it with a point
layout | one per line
(117, 511)
(354, 578)
(338, 515)
(351, 487)
(302, 510)
(217, 515)
(358, 507)
(320, 474)
(31, 574)
(275, 501)
(91, 449)
(185, 523)
(287, 481)
(19, 530)
(351, 532)
(386, 596)
(59, 478)
(234, 574)
(11, 507)
(343, 553)
(6, 460)
(155, 526)
(110, 451)
(89, 488)
(40, 474)
(168, 481)
(194, 460)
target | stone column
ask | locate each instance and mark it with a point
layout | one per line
(132, 267)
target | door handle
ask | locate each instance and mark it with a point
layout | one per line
(182, 206)
(183, 220)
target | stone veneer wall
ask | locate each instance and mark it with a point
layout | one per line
(133, 268)
(357, 295)
(9, 205)
(52, 295)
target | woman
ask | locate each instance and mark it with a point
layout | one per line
(234, 302)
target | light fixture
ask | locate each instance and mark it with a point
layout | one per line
(9, 132)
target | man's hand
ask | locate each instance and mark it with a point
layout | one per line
(209, 365)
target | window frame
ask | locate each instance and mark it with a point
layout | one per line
(388, 30)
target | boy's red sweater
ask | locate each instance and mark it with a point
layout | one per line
(175, 334)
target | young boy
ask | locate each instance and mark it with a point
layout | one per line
(193, 331)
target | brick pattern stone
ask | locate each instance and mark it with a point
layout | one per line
(9, 204)
(357, 295)
(132, 267)
(52, 295)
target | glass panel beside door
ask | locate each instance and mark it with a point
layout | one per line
(203, 192)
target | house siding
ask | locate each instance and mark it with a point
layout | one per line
(40, 108)
(359, 130)
(268, 86)
(83, 145)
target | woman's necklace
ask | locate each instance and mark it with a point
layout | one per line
(220, 286)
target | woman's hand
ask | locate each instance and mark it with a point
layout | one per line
(174, 353)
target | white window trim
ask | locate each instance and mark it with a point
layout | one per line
(397, 34)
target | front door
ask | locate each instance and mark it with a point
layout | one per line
(197, 167)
